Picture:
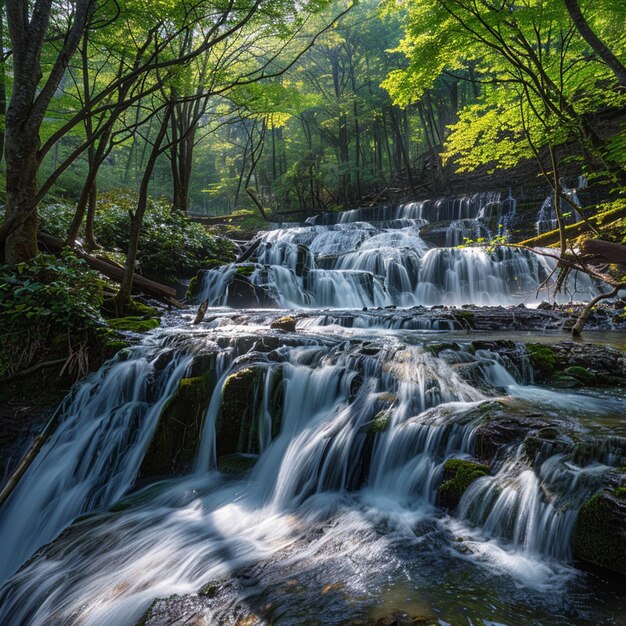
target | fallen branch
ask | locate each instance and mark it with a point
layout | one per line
(249, 251)
(29, 456)
(31, 370)
(115, 272)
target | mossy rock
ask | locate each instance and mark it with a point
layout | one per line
(134, 324)
(436, 348)
(380, 423)
(237, 464)
(543, 359)
(458, 475)
(564, 381)
(286, 323)
(600, 534)
(582, 374)
(174, 443)
(237, 424)
(193, 286)
(245, 269)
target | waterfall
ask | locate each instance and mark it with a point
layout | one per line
(306, 474)
(376, 420)
(378, 257)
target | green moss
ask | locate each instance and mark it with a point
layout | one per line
(175, 440)
(600, 536)
(458, 475)
(380, 423)
(134, 324)
(192, 288)
(135, 309)
(620, 492)
(582, 374)
(245, 270)
(542, 358)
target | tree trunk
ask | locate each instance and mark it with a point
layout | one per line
(123, 296)
(21, 190)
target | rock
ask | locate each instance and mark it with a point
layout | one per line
(237, 464)
(133, 324)
(458, 475)
(174, 443)
(503, 423)
(286, 324)
(600, 534)
(242, 294)
(380, 423)
(237, 424)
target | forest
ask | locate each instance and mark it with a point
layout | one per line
(312, 312)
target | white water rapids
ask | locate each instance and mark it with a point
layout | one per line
(338, 520)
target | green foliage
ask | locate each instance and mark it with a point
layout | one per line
(169, 245)
(64, 291)
(46, 305)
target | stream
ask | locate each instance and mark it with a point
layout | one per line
(307, 488)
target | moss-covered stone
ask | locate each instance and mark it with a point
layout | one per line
(237, 424)
(286, 323)
(458, 475)
(582, 374)
(564, 381)
(245, 269)
(135, 308)
(175, 441)
(543, 359)
(193, 286)
(237, 464)
(380, 423)
(134, 324)
(600, 534)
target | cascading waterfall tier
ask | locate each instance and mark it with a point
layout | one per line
(344, 441)
(382, 257)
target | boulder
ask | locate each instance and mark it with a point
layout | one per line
(600, 534)
(286, 323)
(237, 424)
(174, 443)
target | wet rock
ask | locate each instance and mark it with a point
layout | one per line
(600, 534)
(380, 423)
(237, 464)
(242, 294)
(502, 424)
(400, 618)
(458, 475)
(286, 323)
(174, 444)
(237, 424)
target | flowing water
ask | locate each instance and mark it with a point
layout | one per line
(338, 519)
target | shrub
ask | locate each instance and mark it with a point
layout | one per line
(169, 245)
(46, 304)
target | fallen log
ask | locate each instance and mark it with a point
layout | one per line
(605, 251)
(249, 251)
(115, 272)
